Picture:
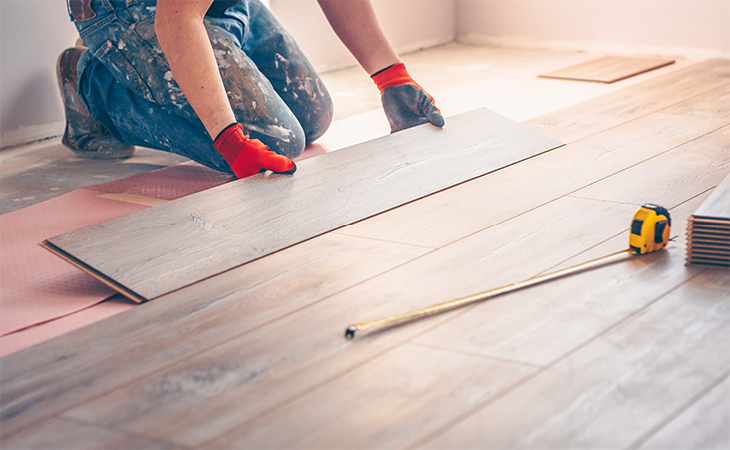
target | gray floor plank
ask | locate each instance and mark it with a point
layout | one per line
(46, 379)
(704, 425)
(170, 246)
(592, 116)
(671, 177)
(610, 392)
(62, 434)
(465, 209)
(271, 366)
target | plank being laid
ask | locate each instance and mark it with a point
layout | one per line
(173, 245)
(608, 69)
(601, 113)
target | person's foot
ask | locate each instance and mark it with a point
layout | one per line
(83, 135)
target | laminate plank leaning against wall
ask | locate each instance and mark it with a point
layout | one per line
(176, 244)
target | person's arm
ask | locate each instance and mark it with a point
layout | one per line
(181, 32)
(405, 102)
(356, 25)
(182, 36)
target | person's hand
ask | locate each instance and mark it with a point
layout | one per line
(248, 157)
(406, 104)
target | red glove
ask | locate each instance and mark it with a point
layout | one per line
(405, 102)
(249, 156)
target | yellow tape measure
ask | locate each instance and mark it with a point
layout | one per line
(649, 232)
(650, 229)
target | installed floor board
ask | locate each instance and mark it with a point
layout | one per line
(540, 324)
(682, 430)
(69, 434)
(176, 244)
(579, 121)
(613, 390)
(44, 380)
(671, 177)
(276, 364)
(459, 211)
(385, 404)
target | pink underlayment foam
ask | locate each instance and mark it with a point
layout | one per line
(38, 286)
(42, 296)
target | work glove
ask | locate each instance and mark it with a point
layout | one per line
(248, 157)
(406, 104)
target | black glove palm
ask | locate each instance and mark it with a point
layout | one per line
(407, 106)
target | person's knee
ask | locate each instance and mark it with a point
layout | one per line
(319, 119)
(284, 140)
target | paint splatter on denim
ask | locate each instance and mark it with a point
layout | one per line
(126, 83)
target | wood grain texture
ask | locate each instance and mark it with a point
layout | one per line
(608, 69)
(44, 380)
(541, 324)
(717, 206)
(670, 177)
(610, 392)
(176, 244)
(683, 430)
(601, 113)
(69, 434)
(274, 365)
(459, 211)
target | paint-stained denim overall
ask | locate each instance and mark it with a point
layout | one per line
(126, 83)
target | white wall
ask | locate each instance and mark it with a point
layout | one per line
(409, 25)
(32, 35)
(692, 28)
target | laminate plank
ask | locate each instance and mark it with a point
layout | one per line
(608, 69)
(68, 434)
(176, 244)
(384, 404)
(42, 381)
(705, 424)
(271, 366)
(311, 420)
(459, 211)
(601, 113)
(613, 390)
(671, 177)
(540, 324)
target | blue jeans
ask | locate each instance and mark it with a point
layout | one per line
(126, 84)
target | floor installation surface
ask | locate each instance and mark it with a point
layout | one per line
(631, 355)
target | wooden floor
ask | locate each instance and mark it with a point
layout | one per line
(632, 355)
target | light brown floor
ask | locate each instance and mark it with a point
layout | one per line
(631, 355)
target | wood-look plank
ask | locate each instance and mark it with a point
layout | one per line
(610, 392)
(451, 214)
(704, 424)
(718, 205)
(385, 404)
(70, 434)
(601, 113)
(51, 377)
(540, 324)
(176, 244)
(576, 314)
(608, 69)
(273, 365)
(671, 177)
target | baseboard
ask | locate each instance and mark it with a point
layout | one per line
(592, 46)
(30, 134)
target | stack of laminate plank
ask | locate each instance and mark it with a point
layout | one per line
(708, 231)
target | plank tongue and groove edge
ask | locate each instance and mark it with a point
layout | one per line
(167, 247)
